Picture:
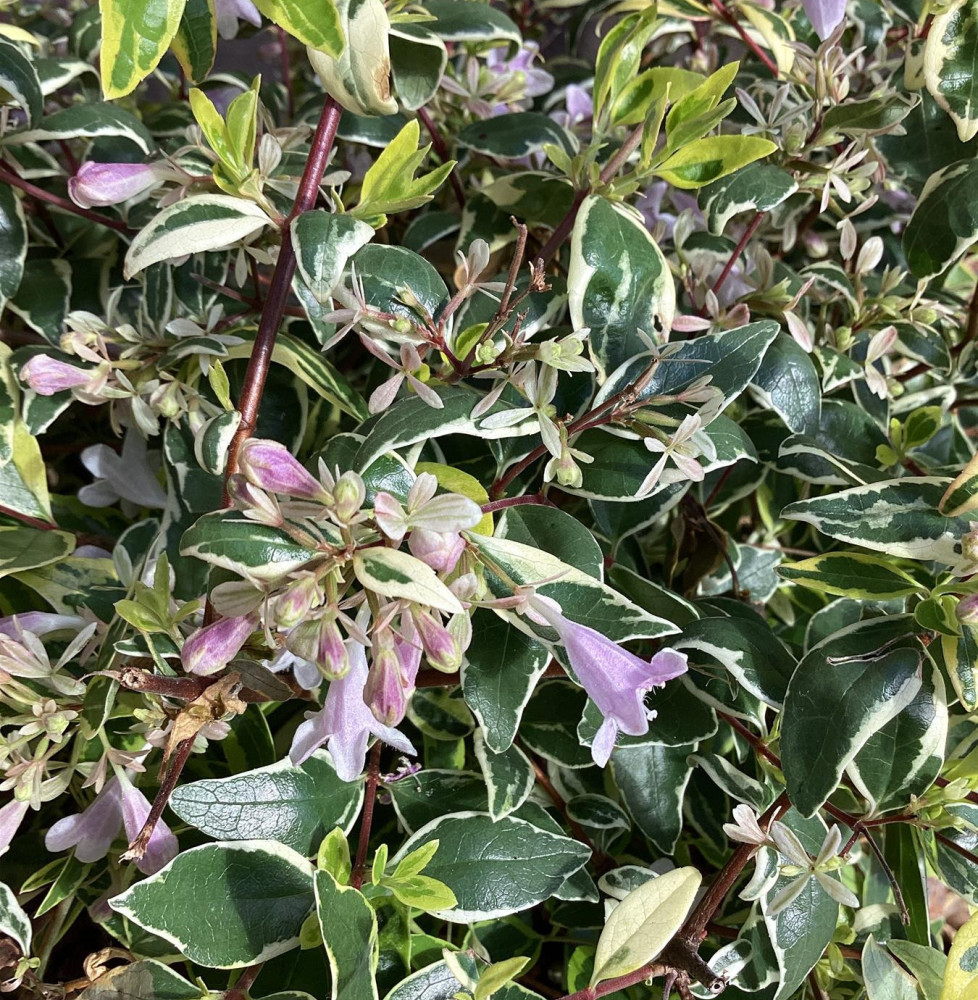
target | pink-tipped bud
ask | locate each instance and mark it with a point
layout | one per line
(384, 691)
(112, 183)
(213, 647)
(967, 610)
(969, 546)
(439, 549)
(296, 601)
(439, 645)
(46, 375)
(270, 466)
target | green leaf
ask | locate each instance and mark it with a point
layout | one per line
(788, 382)
(418, 60)
(18, 78)
(499, 673)
(349, 928)
(652, 780)
(393, 276)
(398, 575)
(496, 867)
(705, 160)
(852, 574)
(89, 121)
(618, 282)
(358, 78)
(295, 806)
(43, 297)
(961, 497)
(927, 964)
(195, 43)
(758, 187)
(643, 923)
(747, 649)
(834, 704)
(944, 223)
(14, 922)
(135, 34)
(390, 184)
(193, 225)
(949, 64)
(314, 22)
(470, 21)
(13, 242)
(872, 116)
(225, 906)
(513, 136)
(23, 548)
(509, 777)
(146, 978)
(255, 551)
(903, 757)
(900, 517)
(323, 243)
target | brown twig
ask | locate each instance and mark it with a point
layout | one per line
(278, 292)
(734, 257)
(244, 983)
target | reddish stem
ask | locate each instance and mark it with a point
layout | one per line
(34, 522)
(734, 257)
(441, 149)
(727, 14)
(278, 292)
(367, 820)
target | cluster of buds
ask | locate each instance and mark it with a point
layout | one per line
(127, 367)
(358, 591)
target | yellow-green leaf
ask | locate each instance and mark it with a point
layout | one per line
(644, 922)
(852, 574)
(705, 160)
(135, 34)
(961, 974)
(313, 22)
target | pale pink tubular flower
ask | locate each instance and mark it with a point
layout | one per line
(272, 467)
(46, 375)
(345, 723)
(615, 680)
(11, 816)
(98, 184)
(91, 833)
(825, 15)
(229, 12)
(212, 647)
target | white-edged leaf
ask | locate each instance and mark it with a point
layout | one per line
(398, 575)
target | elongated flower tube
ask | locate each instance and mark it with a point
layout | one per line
(212, 647)
(46, 376)
(615, 680)
(345, 723)
(98, 184)
(91, 832)
(272, 467)
(825, 15)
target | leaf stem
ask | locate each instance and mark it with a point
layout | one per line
(734, 257)
(438, 141)
(727, 15)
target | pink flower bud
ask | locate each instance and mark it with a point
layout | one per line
(270, 466)
(46, 375)
(967, 610)
(439, 646)
(296, 601)
(439, 549)
(349, 494)
(213, 647)
(384, 691)
(112, 183)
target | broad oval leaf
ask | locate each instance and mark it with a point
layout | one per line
(496, 867)
(225, 905)
(644, 922)
(295, 806)
(397, 574)
(313, 22)
(949, 64)
(135, 34)
(193, 225)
